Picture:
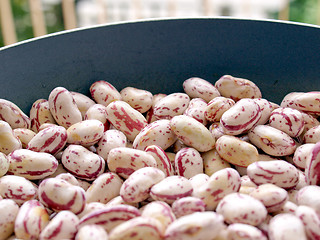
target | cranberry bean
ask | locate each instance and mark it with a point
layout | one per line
(216, 107)
(156, 133)
(288, 207)
(216, 130)
(171, 105)
(187, 205)
(69, 178)
(188, 162)
(240, 231)
(272, 141)
(63, 107)
(9, 211)
(83, 102)
(241, 117)
(8, 142)
(104, 92)
(309, 196)
(50, 140)
(90, 207)
(266, 108)
(237, 88)
(119, 201)
(312, 135)
(12, 114)
(242, 208)
(213, 162)
(162, 159)
(171, 188)
(198, 225)
(124, 161)
(40, 114)
(192, 133)
(98, 112)
(197, 87)
(126, 119)
(4, 164)
(195, 110)
(32, 218)
(139, 99)
(311, 221)
(197, 181)
(93, 231)
(301, 155)
(63, 226)
(312, 170)
(236, 151)
(278, 172)
(150, 114)
(24, 135)
(58, 195)
(82, 163)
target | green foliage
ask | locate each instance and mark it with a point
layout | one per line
(304, 11)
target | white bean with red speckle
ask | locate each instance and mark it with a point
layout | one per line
(171, 188)
(311, 221)
(241, 117)
(216, 107)
(32, 218)
(58, 195)
(288, 207)
(312, 170)
(192, 133)
(4, 164)
(8, 142)
(13, 115)
(197, 87)
(98, 112)
(63, 107)
(272, 196)
(93, 231)
(139, 99)
(240, 231)
(272, 141)
(216, 130)
(266, 108)
(119, 201)
(64, 225)
(188, 162)
(85, 133)
(236, 151)
(31, 165)
(126, 119)
(301, 155)
(83, 102)
(286, 226)
(137, 186)
(237, 88)
(156, 133)
(104, 188)
(219, 184)
(198, 225)
(124, 161)
(150, 114)
(24, 135)
(196, 109)
(69, 178)
(213, 162)
(242, 208)
(309, 122)
(171, 105)
(9, 211)
(309, 196)
(40, 114)
(50, 140)
(162, 159)
(18, 189)
(104, 92)
(312, 135)
(187, 205)
(90, 207)
(82, 163)
(278, 172)
(287, 120)
(197, 181)
(110, 217)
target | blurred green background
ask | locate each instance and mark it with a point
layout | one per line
(304, 11)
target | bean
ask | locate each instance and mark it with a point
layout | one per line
(40, 114)
(98, 112)
(91, 232)
(8, 142)
(9, 211)
(139, 99)
(83, 102)
(12, 114)
(197, 87)
(188, 162)
(104, 92)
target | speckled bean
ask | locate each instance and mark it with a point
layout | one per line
(58, 195)
(85, 133)
(219, 184)
(312, 170)
(82, 163)
(216, 107)
(124, 161)
(13, 115)
(63, 107)
(240, 231)
(242, 208)
(24, 135)
(126, 119)
(212, 162)
(301, 155)
(69, 178)
(40, 114)
(312, 135)
(63, 226)
(9, 211)
(93, 231)
(272, 196)
(187, 205)
(4, 164)
(197, 181)
(311, 221)
(104, 93)
(199, 225)
(104, 188)
(286, 226)
(17, 188)
(50, 140)
(110, 217)
(236, 151)
(171, 105)
(98, 112)
(83, 102)
(8, 142)
(196, 110)
(119, 201)
(241, 117)
(188, 162)
(150, 114)
(237, 88)
(278, 172)
(197, 87)
(162, 159)
(266, 108)
(272, 141)
(156, 133)
(309, 196)
(309, 122)
(32, 165)
(192, 133)
(31, 220)
(171, 188)
(140, 100)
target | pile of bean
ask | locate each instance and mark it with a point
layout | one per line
(216, 162)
